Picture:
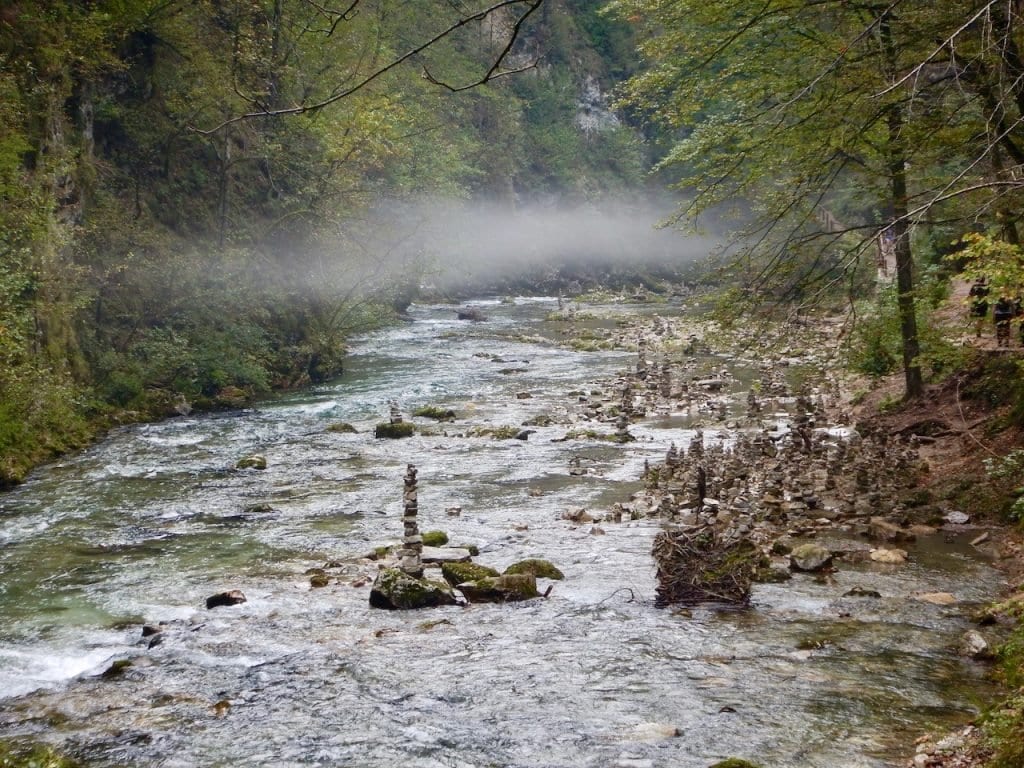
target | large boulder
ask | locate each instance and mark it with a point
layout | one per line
(810, 558)
(501, 589)
(541, 569)
(396, 590)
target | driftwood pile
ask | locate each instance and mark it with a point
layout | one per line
(694, 566)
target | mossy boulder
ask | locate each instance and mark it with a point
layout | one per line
(509, 588)
(395, 590)
(394, 430)
(735, 762)
(256, 461)
(810, 558)
(435, 538)
(460, 573)
(343, 428)
(434, 412)
(541, 569)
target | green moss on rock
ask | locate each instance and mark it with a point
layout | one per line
(460, 573)
(343, 427)
(435, 539)
(435, 412)
(395, 590)
(394, 431)
(734, 762)
(509, 588)
(541, 569)
(256, 461)
(38, 756)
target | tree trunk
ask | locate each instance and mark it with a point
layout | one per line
(900, 228)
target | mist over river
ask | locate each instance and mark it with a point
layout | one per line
(144, 526)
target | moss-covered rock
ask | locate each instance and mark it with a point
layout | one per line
(810, 558)
(734, 762)
(343, 428)
(256, 461)
(510, 588)
(460, 573)
(394, 430)
(395, 590)
(435, 539)
(435, 412)
(541, 569)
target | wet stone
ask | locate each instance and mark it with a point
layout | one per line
(230, 597)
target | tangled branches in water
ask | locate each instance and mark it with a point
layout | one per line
(696, 566)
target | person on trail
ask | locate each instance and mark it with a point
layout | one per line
(1002, 313)
(979, 304)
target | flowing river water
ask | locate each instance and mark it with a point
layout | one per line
(143, 526)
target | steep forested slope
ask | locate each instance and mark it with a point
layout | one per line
(158, 253)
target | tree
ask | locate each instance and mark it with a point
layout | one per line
(785, 110)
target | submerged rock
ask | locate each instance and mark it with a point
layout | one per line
(230, 597)
(395, 590)
(541, 569)
(888, 556)
(509, 588)
(810, 558)
(653, 732)
(936, 598)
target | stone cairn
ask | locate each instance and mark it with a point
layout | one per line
(396, 418)
(763, 484)
(409, 556)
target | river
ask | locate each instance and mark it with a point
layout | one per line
(143, 526)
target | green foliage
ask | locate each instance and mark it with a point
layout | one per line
(37, 756)
(876, 345)
(1006, 473)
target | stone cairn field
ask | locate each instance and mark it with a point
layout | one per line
(774, 468)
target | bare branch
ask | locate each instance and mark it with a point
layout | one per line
(532, 5)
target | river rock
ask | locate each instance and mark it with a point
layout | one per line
(434, 538)
(810, 558)
(956, 518)
(395, 590)
(936, 598)
(256, 461)
(859, 591)
(734, 762)
(501, 589)
(445, 555)
(889, 556)
(974, 645)
(883, 529)
(541, 569)
(230, 597)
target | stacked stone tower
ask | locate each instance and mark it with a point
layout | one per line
(410, 557)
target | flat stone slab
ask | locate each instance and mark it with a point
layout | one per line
(445, 555)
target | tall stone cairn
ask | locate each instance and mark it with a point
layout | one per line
(410, 556)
